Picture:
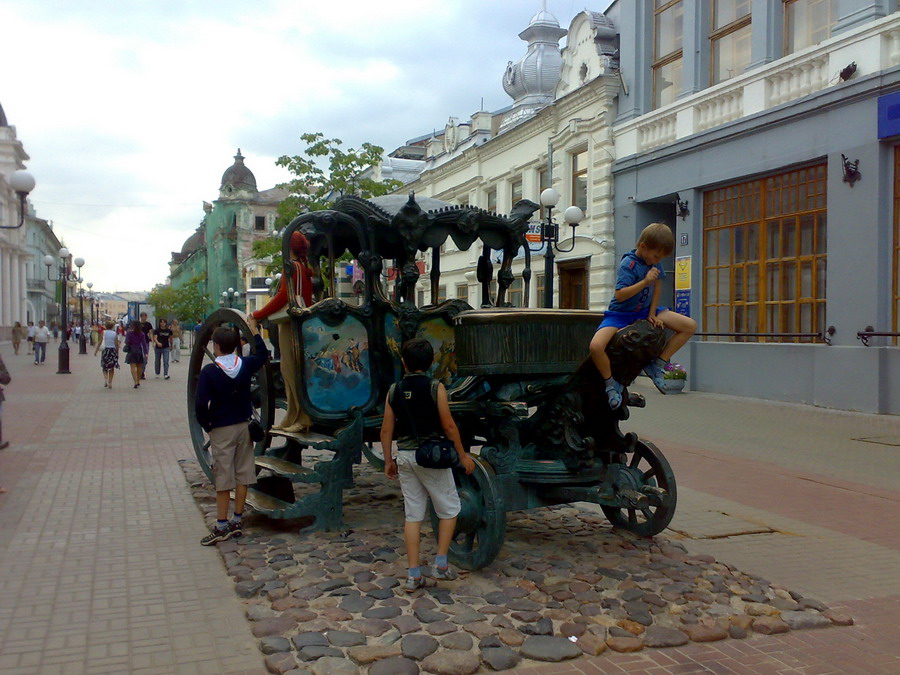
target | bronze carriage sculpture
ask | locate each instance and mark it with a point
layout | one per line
(523, 392)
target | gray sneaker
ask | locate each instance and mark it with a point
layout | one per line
(414, 583)
(444, 574)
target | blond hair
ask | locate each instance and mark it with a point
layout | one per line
(658, 237)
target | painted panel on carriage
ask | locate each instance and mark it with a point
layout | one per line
(440, 334)
(337, 373)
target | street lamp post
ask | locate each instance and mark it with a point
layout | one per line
(550, 237)
(22, 183)
(229, 298)
(64, 276)
(90, 286)
(82, 342)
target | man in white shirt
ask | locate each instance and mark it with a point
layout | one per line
(41, 338)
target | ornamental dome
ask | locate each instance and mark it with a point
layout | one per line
(238, 176)
(193, 242)
(532, 79)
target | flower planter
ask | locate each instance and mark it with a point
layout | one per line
(673, 386)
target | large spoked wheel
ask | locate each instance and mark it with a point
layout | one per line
(481, 523)
(262, 392)
(649, 474)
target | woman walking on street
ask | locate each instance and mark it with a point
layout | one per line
(137, 347)
(161, 337)
(109, 360)
(18, 332)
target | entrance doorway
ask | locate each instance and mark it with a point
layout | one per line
(573, 284)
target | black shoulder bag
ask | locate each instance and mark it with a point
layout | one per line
(435, 452)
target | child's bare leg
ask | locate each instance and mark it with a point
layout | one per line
(411, 534)
(684, 327)
(446, 528)
(598, 350)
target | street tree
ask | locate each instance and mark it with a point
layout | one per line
(323, 173)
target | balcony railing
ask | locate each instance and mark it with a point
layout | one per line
(874, 47)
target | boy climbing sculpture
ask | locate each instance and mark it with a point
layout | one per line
(637, 297)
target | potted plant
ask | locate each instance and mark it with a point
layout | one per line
(675, 377)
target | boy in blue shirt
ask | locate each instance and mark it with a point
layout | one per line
(637, 297)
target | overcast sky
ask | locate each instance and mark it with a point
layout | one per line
(131, 111)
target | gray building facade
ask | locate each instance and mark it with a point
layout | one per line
(764, 132)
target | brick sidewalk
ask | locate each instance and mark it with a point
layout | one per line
(102, 571)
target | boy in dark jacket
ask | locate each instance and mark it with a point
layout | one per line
(223, 408)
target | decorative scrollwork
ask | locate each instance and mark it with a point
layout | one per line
(634, 347)
(332, 311)
(371, 262)
(560, 438)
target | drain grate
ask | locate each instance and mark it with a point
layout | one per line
(893, 441)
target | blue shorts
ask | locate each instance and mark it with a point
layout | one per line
(622, 319)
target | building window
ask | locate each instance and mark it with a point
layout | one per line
(895, 257)
(421, 296)
(580, 180)
(516, 292)
(764, 255)
(807, 22)
(543, 184)
(668, 32)
(442, 294)
(515, 193)
(729, 38)
(462, 292)
(539, 290)
(260, 225)
(492, 200)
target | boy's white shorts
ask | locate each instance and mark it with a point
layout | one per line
(418, 484)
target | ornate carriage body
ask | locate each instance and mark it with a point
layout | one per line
(523, 392)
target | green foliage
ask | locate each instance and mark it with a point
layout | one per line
(313, 186)
(271, 246)
(187, 303)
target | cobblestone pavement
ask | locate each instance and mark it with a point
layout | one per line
(102, 572)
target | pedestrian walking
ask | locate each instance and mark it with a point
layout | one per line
(18, 332)
(137, 348)
(161, 337)
(176, 341)
(109, 360)
(147, 327)
(41, 338)
(223, 408)
(30, 333)
(4, 380)
(417, 407)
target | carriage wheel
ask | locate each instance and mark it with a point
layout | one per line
(262, 392)
(481, 523)
(649, 468)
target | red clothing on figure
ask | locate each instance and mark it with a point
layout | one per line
(302, 278)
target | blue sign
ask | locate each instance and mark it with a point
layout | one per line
(889, 115)
(683, 302)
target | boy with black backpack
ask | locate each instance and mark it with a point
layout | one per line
(417, 408)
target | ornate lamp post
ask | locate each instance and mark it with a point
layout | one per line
(229, 298)
(550, 237)
(82, 340)
(64, 277)
(90, 294)
(22, 183)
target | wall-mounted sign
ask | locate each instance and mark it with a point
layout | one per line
(683, 239)
(683, 302)
(683, 273)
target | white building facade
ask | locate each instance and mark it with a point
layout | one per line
(557, 133)
(13, 250)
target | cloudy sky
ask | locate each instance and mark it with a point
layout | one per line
(131, 111)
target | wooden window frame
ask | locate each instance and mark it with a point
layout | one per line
(513, 184)
(722, 215)
(487, 199)
(662, 60)
(716, 34)
(576, 173)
